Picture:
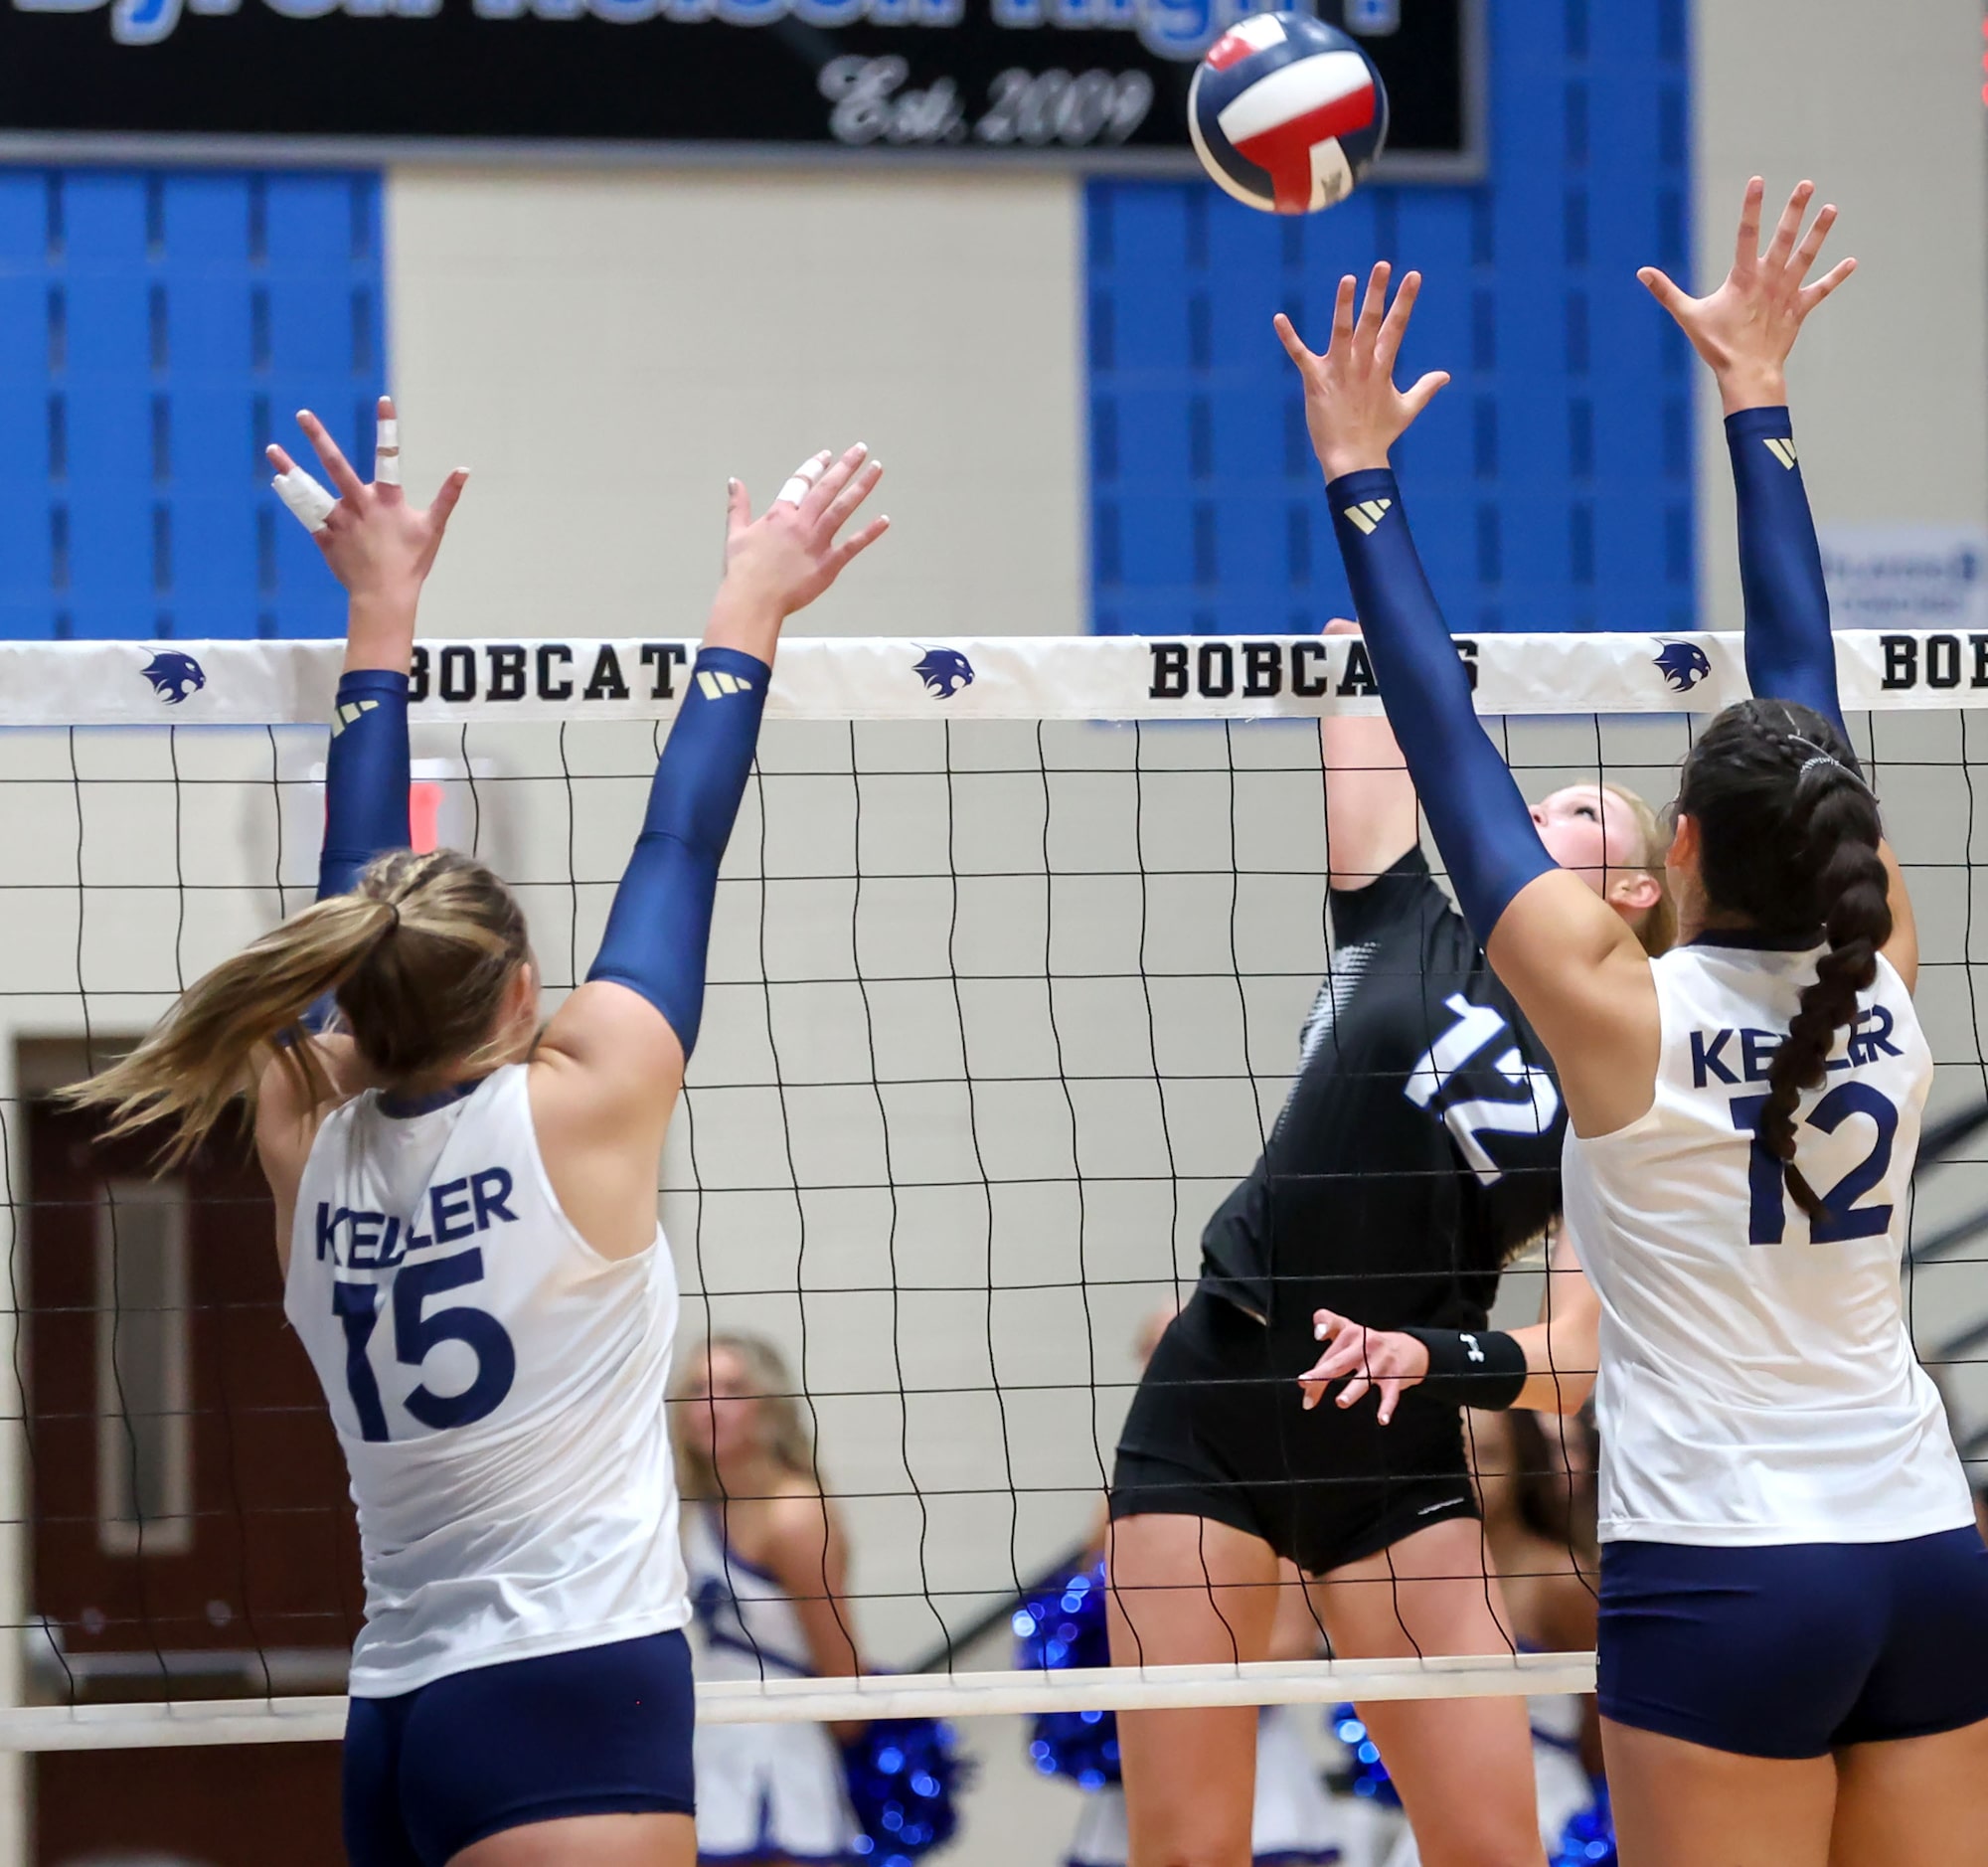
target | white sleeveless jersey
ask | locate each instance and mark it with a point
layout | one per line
(746, 1626)
(497, 1386)
(1757, 1380)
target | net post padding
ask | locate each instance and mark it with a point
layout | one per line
(818, 1701)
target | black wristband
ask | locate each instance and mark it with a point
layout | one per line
(1482, 1368)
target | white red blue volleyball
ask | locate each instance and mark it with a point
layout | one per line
(1286, 113)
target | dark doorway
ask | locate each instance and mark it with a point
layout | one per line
(192, 1531)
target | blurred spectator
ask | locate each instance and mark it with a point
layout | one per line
(768, 1577)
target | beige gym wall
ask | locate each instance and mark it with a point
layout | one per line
(1882, 107)
(605, 348)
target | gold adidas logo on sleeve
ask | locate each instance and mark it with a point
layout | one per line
(346, 714)
(1782, 448)
(717, 683)
(1368, 513)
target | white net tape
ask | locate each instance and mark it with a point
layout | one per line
(1002, 1003)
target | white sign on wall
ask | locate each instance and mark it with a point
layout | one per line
(1910, 577)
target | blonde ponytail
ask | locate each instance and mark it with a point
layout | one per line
(419, 955)
(212, 1046)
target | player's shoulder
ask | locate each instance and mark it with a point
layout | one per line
(1403, 905)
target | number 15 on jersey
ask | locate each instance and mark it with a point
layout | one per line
(417, 1331)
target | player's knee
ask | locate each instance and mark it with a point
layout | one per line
(1182, 1833)
(1192, 1851)
(1514, 1847)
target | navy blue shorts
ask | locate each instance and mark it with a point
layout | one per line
(602, 1730)
(1795, 1650)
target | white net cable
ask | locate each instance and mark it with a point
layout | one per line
(1013, 945)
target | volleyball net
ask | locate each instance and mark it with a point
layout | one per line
(1013, 945)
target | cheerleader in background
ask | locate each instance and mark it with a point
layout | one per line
(768, 1567)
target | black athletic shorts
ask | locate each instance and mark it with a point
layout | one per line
(1218, 1429)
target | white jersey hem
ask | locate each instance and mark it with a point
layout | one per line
(373, 1682)
(1775, 1535)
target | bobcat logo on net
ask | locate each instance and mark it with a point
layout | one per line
(1683, 666)
(944, 671)
(174, 676)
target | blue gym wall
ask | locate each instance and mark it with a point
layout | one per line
(156, 331)
(1551, 483)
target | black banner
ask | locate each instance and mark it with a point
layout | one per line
(1103, 80)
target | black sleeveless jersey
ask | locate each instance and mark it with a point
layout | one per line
(1420, 1141)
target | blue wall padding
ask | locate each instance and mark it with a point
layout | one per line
(156, 329)
(1552, 481)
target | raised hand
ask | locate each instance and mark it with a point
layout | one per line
(1352, 407)
(1746, 329)
(1362, 1358)
(783, 560)
(377, 544)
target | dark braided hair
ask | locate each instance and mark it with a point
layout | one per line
(1788, 836)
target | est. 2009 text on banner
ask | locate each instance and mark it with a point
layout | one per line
(1099, 78)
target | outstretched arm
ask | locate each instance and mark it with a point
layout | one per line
(659, 928)
(1745, 331)
(1370, 799)
(609, 1067)
(381, 549)
(1569, 959)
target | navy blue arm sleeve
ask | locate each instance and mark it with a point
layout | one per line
(1482, 825)
(659, 928)
(1790, 653)
(365, 777)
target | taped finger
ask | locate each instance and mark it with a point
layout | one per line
(387, 453)
(802, 480)
(305, 497)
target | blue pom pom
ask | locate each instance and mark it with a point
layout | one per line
(903, 1777)
(1066, 1627)
(1588, 1839)
(1369, 1772)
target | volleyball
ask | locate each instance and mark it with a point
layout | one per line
(1286, 113)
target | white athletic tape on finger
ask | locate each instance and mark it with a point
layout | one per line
(305, 497)
(801, 481)
(387, 453)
